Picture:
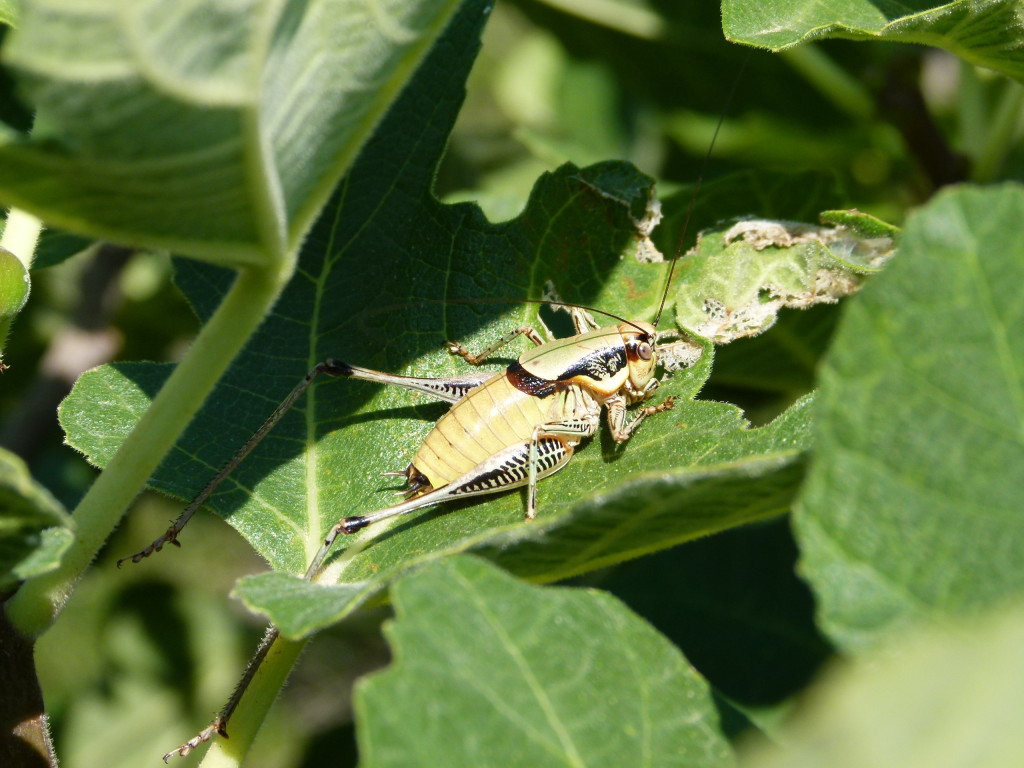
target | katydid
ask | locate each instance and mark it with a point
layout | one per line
(504, 430)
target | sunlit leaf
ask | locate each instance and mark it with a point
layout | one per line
(982, 32)
(216, 130)
(912, 509)
(525, 676)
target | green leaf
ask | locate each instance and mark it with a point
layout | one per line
(385, 277)
(912, 508)
(34, 528)
(735, 607)
(214, 131)
(8, 13)
(939, 698)
(783, 361)
(490, 671)
(983, 32)
(744, 272)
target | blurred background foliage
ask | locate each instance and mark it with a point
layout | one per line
(555, 81)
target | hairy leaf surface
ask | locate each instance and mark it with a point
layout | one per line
(215, 130)
(983, 32)
(912, 509)
(525, 676)
(385, 277)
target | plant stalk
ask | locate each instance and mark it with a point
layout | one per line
(833, 82)
(260, 693)
(21, 235)
(39, 601)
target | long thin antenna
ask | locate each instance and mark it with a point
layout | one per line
(697, 186)
(549, 303)
(542, 302)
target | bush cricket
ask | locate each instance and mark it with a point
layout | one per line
(504, 430)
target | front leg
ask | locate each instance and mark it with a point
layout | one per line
(622, 431)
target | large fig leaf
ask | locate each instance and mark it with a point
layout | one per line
(216, 130)
(912, 509)
(386, 276)
(525, 676)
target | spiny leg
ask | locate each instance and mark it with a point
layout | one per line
(350, 525)
(219, 726)
(458, 349)
(330, 367)
(512, 467)
(450, 389)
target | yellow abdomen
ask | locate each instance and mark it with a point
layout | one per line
(490, 418)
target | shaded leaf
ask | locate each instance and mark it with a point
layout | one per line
(489, 671)
(735, 607)
(34, 528)
(912, 508)
(55, 246)
(939, 698)
(385, 277)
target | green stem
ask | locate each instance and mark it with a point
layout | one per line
(37, 604)
(261, 693)
(629, 19)
(20, 237)
(971, 110)
(1000, 135)
(831, 80)
(21, 234)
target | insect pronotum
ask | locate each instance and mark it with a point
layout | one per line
(504, 430)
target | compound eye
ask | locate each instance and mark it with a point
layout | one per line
(644, 350)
